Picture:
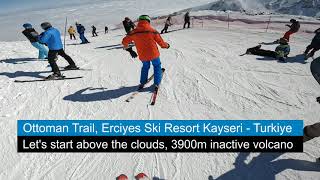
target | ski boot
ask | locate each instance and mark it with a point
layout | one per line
(250, 50)
(141, 86)
(307, 56)
(122, 177)
(318, 99)
(282, 60)
(142, 176)
(54, 76)
(156, 87)
(71, 67)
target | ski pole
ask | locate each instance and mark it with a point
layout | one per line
(65, 33)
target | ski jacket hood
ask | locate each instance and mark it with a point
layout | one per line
(146, 39)
(52, 38)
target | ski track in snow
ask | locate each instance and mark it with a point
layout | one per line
(204, 79)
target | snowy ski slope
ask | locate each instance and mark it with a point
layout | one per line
(205, 78)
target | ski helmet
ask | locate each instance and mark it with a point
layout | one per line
(46, 25)
(27, 26)
(145, 17)
(141, 176)
(122, 177)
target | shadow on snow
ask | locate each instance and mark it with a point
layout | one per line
(19, 60)
(265, 167)
(16, 74)
(295, 59)
(85, 95)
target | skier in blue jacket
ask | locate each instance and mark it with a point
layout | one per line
(52, 37)
(81, 30)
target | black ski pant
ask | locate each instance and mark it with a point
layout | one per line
(53, 54)
(311, 132)
(165, 29)
(313, 48)
(262, 52)
(72, 36)
(186, 23)
(94, 33)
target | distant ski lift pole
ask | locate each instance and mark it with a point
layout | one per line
(65, 33)
(228, 21)
(268, 23)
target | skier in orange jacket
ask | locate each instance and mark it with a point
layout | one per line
(146, 39)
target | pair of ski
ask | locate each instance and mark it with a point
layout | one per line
(154, 93)
(45, 79)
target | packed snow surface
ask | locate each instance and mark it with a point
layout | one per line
(205, 78)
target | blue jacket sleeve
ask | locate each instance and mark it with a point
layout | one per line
(44, 37)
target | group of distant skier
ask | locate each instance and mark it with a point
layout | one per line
(282, 51)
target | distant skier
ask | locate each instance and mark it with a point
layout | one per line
(128, 25)
(146, 39)
(122, 177)
(294, 28)
(311, 132)
(72, 33)
(106, 30)
(314, 46)
(166, 25)
(52, 37)
(281, 52)
(186, 20)
(32, 36)
(94, 31)
(81, 30)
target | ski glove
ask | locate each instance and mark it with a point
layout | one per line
(168, 46)
(132, 53)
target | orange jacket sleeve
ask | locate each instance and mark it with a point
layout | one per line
(160, 41)
(126, 41)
